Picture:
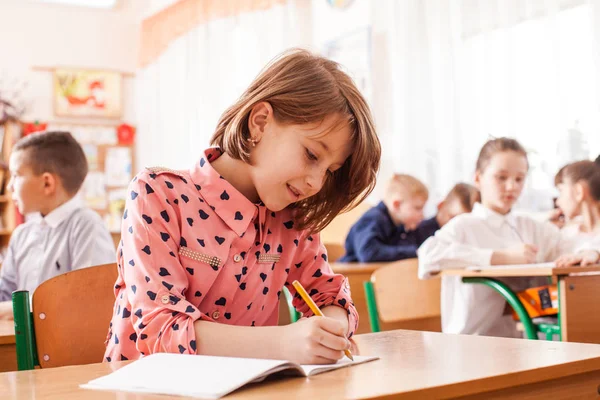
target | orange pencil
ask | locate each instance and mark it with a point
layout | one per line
(313, 307)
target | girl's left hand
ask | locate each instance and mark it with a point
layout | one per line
(583, 258)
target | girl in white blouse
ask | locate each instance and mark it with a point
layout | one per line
(491, 235)
(579, 186)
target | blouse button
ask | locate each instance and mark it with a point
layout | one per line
(237, 258)
(165, 299)
(216, 314)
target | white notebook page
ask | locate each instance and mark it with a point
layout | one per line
(200, 376)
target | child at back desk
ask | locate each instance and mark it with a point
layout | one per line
(579, 186)
(386, 231)
(206, 252)
(47, 169)
(490, 235)
(394, 229)
(461, 199)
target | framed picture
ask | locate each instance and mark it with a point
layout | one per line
(87, 93)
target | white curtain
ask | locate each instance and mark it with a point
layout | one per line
(445, 76)
(459, 72)
(181, 95)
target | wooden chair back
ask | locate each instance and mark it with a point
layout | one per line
(335, 251)
(71, 313)
(402, 296)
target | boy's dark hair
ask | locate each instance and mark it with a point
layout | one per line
(58, 153)
(464, 193)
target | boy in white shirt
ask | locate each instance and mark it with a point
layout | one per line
(47, 170)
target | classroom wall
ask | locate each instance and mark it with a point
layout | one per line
(57, 35)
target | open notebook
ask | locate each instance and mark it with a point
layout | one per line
(202, 376)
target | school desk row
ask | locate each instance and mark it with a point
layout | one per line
(579, 301)
(412, 365)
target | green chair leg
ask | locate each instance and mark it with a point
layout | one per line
(294, 315)
(372, 306)
(24, 334)
(549, 330)
(512, 299)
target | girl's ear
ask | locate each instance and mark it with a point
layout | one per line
(582, 190)
(477, 179)
(260, 116)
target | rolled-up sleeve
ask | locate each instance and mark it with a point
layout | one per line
(156, 280)
(322, 284)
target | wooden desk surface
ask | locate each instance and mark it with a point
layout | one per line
(8, 351)
(354, 268)
(7, 332)
(526, 271)
(412, 365)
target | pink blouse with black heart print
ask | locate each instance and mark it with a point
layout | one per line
(193, 247)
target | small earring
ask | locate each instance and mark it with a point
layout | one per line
(253, 141)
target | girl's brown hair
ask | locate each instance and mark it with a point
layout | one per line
(497, 145)
(586, 171)
(304, 88)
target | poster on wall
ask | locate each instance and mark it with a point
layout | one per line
(116, 208)
(94, 190)
(118, 166)
(87, 93)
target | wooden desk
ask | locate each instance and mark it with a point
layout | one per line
(357, 273)
(516, 272)
(8, 351)
(413, 365)
(579, 296)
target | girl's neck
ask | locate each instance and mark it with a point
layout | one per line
(237, 173)
(590, 214)
(494, 208)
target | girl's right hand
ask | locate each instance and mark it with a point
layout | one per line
(520, 254)
(314, 340)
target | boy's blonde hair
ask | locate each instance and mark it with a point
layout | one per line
(405, 187)
(305, 88)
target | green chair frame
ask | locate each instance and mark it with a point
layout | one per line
(531, 329)
(372, 306)
(24, 334)
(294, 315)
